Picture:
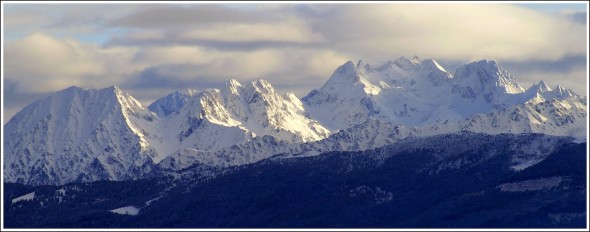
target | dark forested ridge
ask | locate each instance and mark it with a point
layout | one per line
(390, 187)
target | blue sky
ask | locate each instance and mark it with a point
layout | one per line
(150, 50)
(553, 7)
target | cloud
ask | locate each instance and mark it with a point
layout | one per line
(174, 16)
(451, 31)
(210, 62)
(569, 71)
(247, 30)
(61, 20)
(153, 49)
(289, 31)
(574, 79)
(575, 16)
(41, 63)
(16, 100)
(565, 64)
(192, 64)
(376, 32)
(156, 77)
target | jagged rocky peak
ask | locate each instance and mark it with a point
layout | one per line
(431, 64)
(540, 87)
(540, 92)
(172, 102)
(262, 86)
(125, 99)
(484, 79)
(407, 64)
(347, 71)
(233, 83)
(487, 72)
(414, 68)
(77, 95)
(77, 90)
(563, 92)
(362, 64)
(232, 86)
(77, 134)
(72, 88)
(351, 79)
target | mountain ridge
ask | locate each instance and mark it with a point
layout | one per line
(359, 107)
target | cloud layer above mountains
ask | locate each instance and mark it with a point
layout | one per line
(152, 49)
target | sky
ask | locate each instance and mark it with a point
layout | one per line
(150, 50)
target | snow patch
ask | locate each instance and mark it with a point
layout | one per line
(531, 185)
(147, 203)
(379, 195)
(26, 197)
(61, 192)
(127, 210)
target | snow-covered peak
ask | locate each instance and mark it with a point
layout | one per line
(407, 64)
(107, 134)
(351, 79)
(563, 92)
(538, 92)
(432, 65)
(263, 86)
(232, 86)
(72, 89)
(394, 91)
(486, 74)
(486, 81)
(233, 83)
(172, 102)
(126, 100)
(405, 72)
(540, 87)
(344, 75)
(215, 119)
(260, 86)
(78, 134)
(362, 65)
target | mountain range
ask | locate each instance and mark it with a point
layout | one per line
(460, 180)
(79, 135)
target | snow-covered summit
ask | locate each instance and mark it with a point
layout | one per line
(540, 87)
(214, 119)
(172, 102)
(484, 80)
(402, 91)
(421, 93)
(80, 135)
(350, 78)
(259, 108)
(77, 134)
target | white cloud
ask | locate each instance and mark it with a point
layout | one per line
(450, 31)
(41, 63)
(288, 31)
